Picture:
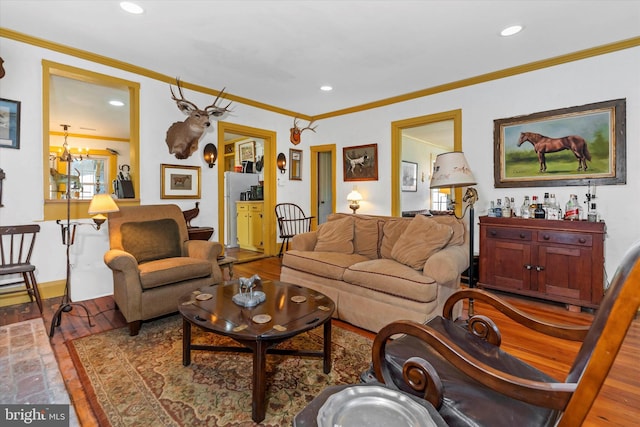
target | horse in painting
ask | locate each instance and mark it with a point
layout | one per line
(543, 144)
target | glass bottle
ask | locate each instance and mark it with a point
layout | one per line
(492, 209)
(506, 209)
(499, 208)
(572, 209)
(524, 209)
(592, 215)
(553, 210)
(532, 206)
(539, 213)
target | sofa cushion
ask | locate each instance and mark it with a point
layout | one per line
(324, 264)
(392, 229)
(393, 278)
(335, 236)
(151, 240)
(458, 228)
(172, 270)
(366, 237)
(421, 239)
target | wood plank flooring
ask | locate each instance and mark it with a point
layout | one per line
(618, 403)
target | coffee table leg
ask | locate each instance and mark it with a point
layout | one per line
(186, 342)
(327, 347)
(259, 381)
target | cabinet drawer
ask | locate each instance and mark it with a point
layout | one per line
(565, 238)
(242, 207)
(256, 208)
(508, 233)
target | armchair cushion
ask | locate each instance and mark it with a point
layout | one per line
(172, 270)
(151, 240)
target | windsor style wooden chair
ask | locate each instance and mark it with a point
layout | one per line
(16, 246)
(291, 221)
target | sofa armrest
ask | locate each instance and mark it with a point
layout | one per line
(304, 241)
(203, 249)
(127, 290)
(119, 260)
(446, 265)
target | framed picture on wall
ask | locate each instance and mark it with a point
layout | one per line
(409, 176)
(247, 151)
(295, 164)
(179, 182)
(9, 123)
(360, 163)
(568, 146)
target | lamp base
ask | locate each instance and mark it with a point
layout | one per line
(354, 207)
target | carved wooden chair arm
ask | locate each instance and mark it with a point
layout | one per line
(550, 395)
(567, 332)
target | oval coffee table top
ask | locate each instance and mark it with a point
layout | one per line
(287, 310)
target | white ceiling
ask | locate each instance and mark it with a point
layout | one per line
(280, 52)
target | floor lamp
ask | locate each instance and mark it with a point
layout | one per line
(100, 204)
(451, 170)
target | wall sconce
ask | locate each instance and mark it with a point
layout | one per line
(101, 204)
(210, 154)
(282, 163)
(354, 199)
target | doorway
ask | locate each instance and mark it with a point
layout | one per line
(269, 185)
(323, 183)
(426, 128)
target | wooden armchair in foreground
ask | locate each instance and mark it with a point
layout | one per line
(463, 372)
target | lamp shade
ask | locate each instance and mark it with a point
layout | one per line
(102, 203)
(451, 170)
(354, 196)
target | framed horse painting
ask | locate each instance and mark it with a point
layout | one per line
(562, 147)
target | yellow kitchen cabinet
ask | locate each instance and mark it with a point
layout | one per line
(250, 224)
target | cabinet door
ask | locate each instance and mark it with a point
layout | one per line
(255, 228)
(508, 266)
(243, 225)
(565, 272)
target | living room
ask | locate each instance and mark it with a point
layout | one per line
(594, 74)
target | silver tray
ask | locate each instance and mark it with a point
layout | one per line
(372, 406)
(249, 299)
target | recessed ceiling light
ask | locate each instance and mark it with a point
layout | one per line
(326, 88)
(131, 7)
(116, 103)
(510, 31)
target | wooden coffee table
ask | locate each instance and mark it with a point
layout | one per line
(288, 318)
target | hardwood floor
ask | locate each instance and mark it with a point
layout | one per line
(618, 403)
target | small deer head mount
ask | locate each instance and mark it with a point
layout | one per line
(183, 137)
(296, 132)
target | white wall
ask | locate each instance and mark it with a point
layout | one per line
(616, 75)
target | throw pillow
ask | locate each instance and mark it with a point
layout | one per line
(422, 238)
(392, 229)
(458, 228)
(335, 236)
(151, 240)
(365, 238)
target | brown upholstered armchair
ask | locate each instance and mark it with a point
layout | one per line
(154, 262)
(472, 382)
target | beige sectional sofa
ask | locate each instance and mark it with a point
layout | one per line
(379, 269)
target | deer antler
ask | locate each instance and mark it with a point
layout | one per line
(309, 127)
(182, 99)
(217, 111)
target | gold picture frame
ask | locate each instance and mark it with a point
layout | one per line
(179, 182)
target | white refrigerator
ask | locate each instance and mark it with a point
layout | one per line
(234, 184)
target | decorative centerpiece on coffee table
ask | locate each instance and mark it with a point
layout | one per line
(247, 297)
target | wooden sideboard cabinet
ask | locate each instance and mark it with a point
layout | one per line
(250, 234)
(554, 260)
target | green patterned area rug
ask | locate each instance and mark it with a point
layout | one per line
(140, 381)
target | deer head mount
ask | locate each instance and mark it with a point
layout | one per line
(183, 137)
(296, 132)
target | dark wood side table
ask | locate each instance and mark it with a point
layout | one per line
(220, 315)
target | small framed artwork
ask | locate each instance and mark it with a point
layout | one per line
(295, 167)
(360, 163)
(9, 123)
(179, 182)
(247, 152)
(409, 176)
(568, 146)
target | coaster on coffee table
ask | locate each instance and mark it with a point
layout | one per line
(203, 297)
(298, 298)
(261, 318)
